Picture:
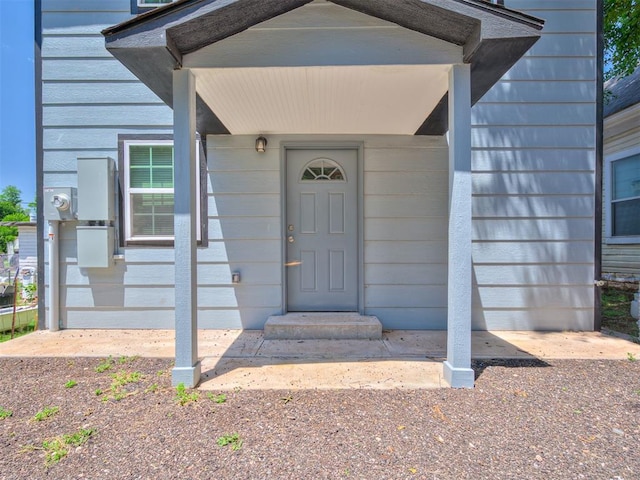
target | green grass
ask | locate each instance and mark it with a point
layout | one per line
(19, 332)
(45, 413)
(220, 398)
(616, 315)
(4, 413)
(183, 396)
(57, 448)
(232, 439)
(119, 381)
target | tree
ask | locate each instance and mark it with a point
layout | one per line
(11, 194)
(10, 211)
(621, 37)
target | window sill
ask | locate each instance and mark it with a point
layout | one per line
(148, 243)
(155, 243)
(622, 240)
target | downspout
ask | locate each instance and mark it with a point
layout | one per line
(54, 277)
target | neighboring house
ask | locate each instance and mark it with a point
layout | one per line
(621, 188)
(21, 256)
(25, 245)
(327, 158)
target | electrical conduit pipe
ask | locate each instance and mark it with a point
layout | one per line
(54, 277)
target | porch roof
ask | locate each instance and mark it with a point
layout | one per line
(152, 45)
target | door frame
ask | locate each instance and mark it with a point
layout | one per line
(322, 145)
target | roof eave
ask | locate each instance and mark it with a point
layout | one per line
(152, 44)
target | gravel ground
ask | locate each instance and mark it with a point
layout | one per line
(556, 420)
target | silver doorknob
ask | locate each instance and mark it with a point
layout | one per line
(290, 239)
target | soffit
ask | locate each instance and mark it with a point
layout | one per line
(154, 44)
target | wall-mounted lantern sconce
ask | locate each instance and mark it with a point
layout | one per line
(261, 144)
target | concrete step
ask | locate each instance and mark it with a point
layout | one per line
(323, 326)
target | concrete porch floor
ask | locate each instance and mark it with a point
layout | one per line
(244, 359)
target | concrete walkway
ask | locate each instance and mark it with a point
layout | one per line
(244, 359)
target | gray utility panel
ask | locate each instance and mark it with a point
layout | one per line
(95, 189)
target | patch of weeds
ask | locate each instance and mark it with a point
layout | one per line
(232, 439)
(123, 378)
(183, 397)
(119, 381)
(105, 365)
(45, 413)
(57, 448)
(70, 384)
(78, 438)
(98, 392)
(124, 359)
(616, 309)
(4, 413)
(220, 398)
(153, 388)
(631, 357)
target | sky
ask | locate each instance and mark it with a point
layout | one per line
(17, 110)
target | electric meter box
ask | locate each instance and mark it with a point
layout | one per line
(59, 203)
(95, 246)
(96, 189)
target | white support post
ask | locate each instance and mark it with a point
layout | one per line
(187, 365)
(457, 368)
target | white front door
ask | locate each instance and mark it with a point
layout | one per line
(322, 230)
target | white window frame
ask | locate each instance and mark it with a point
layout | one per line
(144, 4)
(608, 198)
(139, 6)
(128, 191)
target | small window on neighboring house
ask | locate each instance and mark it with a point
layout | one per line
(148, 191)
(622, 193)
(140, 6)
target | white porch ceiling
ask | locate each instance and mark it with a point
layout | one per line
(383, 99)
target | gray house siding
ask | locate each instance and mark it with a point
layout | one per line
(88, 98)
(534, 179)
(533, 166)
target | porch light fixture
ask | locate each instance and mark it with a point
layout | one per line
(261, 144)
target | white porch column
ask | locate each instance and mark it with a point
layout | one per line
(457, 367)
(187, 366)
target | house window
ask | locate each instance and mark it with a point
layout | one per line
(622, 193)
(322, 169)
(147, 170)
(140, 6)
